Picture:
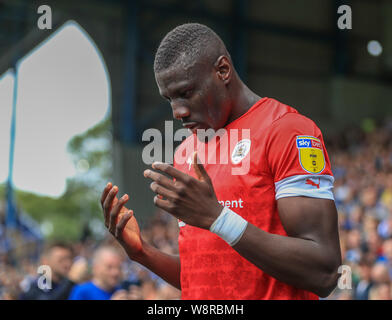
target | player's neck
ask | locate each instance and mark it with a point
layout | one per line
(243, 100)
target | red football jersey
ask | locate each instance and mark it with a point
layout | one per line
(269, 152)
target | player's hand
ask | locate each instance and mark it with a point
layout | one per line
(188, 199)
(120, 221)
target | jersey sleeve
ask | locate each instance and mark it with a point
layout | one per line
(297, 158)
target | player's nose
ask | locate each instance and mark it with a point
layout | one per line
(180, 112)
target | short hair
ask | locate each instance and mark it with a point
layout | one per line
(101, 250)
(187, 41)
(57, 244)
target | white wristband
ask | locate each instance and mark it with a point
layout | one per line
(229, 226)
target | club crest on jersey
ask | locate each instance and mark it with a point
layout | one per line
(311, 156)
(240, 151)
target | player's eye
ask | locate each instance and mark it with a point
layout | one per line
(186, 94)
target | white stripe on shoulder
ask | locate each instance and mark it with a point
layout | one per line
(307, 185)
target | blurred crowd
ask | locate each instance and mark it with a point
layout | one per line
(362, 166)
(88, 270)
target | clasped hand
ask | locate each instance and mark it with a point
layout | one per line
(191, 200)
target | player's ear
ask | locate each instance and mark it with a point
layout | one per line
(223, 69)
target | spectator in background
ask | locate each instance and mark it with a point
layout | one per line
(64, 274)
(129, 290)
(386, 256)
(380, 274)
(107, 275)
(9, 280)
(362, 164)
(361, 291)
(344, 295)
(353, 242)
(380, 292)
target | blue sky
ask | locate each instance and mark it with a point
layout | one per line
(63, 90)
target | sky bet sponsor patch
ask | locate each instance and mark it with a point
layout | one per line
(311, 156)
